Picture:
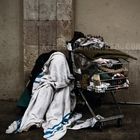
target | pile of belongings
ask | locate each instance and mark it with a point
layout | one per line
(100, 68)
(91, 42)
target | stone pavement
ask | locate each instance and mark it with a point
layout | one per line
(130, 129)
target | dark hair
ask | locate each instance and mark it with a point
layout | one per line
(76, 36)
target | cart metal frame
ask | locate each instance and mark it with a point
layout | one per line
(101, 122)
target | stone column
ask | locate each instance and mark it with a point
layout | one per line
(48, 24)
(64, 22)
(30, 34)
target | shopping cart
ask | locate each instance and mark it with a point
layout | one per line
(87, 78)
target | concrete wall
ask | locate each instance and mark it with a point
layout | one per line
(47, 24)
(11, 54)
(118, 22)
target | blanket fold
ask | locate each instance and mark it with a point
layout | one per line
(50, 98)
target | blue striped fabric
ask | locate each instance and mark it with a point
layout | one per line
(50, 131)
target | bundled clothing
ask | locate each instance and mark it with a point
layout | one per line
(92, 53)
(96, 66)
(101, 74)
(91, 42)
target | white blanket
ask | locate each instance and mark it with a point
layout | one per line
(50, 99)
(50, 105)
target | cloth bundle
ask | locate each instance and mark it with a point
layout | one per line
(101, 74)
(100, 67)
(91, 42)
(110, 76)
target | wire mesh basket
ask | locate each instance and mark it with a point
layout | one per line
(101, 75)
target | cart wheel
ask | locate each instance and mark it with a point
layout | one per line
(119, 122)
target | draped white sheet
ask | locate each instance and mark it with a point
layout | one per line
(50, 104)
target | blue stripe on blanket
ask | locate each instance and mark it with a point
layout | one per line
(66, 118)
(50, 131)
(18, 125)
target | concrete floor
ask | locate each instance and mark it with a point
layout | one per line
(129, 131)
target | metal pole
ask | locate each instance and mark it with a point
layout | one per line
(89, 107)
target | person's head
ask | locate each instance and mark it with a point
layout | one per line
(76, 36)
